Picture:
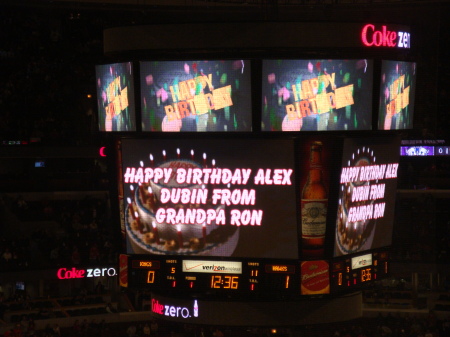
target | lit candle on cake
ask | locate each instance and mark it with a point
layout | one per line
(132, 192)
(141, 192)
(150, 199)
(178, 153)
(204, 232)
(151, 160)
(213, 162)
(204, 159)
(180, 236)
(192, 155)
(130, 207)
(155, 232)
(137, 222)
(164, 154)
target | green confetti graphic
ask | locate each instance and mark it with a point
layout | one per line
(348, 111)
(223, 79)
(346, 78)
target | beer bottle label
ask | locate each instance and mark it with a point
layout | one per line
(314, 218)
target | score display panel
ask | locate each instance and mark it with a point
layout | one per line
(236, 278)
(242, 279)
(357, 271)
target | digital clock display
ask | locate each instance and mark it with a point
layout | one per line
(366, 274)
(224, 282)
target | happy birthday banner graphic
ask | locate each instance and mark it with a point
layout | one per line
(397, 93)
(115, 97)
(317, 95)
(196, 96)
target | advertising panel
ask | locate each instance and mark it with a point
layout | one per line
(115, 97)
(196, 96)
(315, 277)
(317, 157)
(317, 95)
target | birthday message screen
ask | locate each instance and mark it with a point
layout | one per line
(198, 197)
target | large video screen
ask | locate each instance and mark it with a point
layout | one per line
(196, 96)
(397, 93)
(200, 197)
(317, 95)
(367, 192)
(115, 97)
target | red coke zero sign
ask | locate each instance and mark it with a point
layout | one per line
(74, 273)
(373, 36)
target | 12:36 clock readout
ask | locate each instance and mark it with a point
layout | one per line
(224, 282)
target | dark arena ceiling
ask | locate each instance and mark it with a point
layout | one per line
(179, 11)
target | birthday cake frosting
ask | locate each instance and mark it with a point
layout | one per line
(168, 217)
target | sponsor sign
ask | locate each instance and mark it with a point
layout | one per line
(361, 261)
(373, 36)
(221, 267)
(315, 277)
(178, 311)
(74, 273)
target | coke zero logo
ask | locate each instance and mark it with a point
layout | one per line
(74, 273)
(170, 310)
(371, 37)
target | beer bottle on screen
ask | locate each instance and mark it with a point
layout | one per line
(314, 202)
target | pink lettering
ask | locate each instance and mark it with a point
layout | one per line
(371, 37)
(129, 175)
(246, 217)
(64, 274)
(157, 308)
(235, 197)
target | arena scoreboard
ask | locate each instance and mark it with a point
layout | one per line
(252, 278)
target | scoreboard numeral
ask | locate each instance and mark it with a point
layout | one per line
(151, 276)
(366, 274)
(172, 270)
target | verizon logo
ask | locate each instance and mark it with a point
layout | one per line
(223, 267)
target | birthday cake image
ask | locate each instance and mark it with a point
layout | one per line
(169, 217)
(355, 226)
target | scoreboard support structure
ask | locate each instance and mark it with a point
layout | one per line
(257, 313)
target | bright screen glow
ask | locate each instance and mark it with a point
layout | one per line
(317, 95)
(397, 93)
(196, 96)
(201, 198)
(366, 204)
(115, 97)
